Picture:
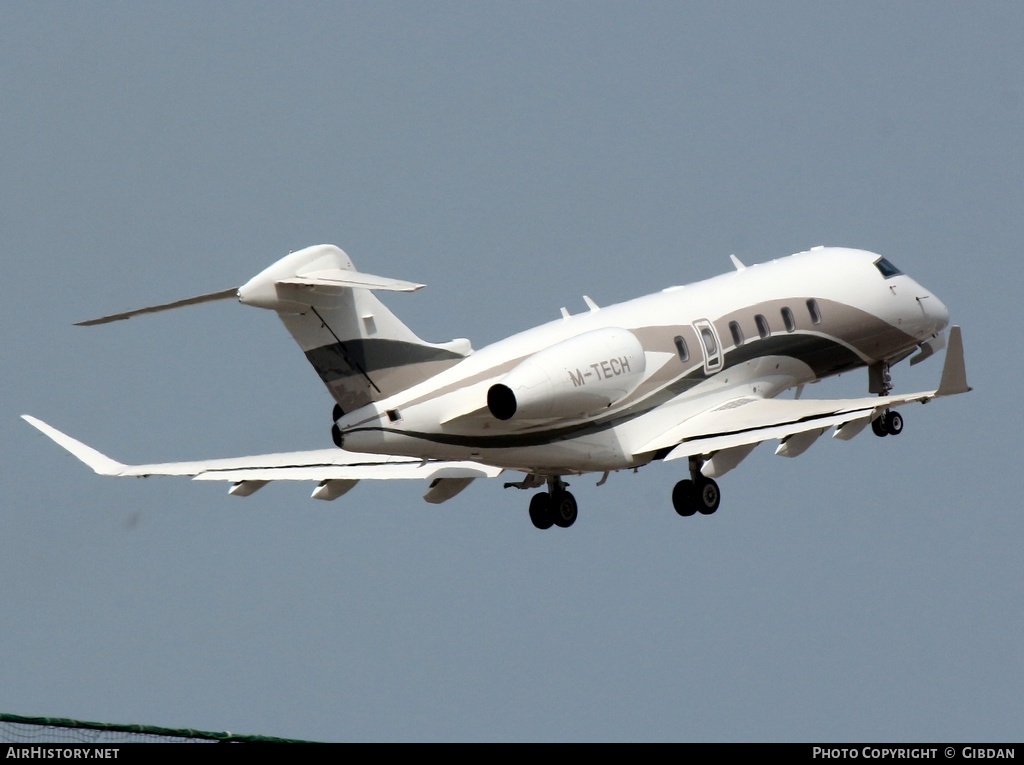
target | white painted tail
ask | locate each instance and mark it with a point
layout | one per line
(360, 349)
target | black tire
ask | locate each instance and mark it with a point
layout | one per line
(336, 436)
(707, 496)
(684, 499)
(894, 423)
(564, 509)
(878, 426)
(540, 511)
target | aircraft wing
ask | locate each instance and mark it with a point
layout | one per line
(741, 423)
(336, 470)
(749, 421)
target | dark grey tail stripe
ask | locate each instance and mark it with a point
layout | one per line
(354, 357)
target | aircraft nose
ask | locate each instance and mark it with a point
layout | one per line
(935, 311)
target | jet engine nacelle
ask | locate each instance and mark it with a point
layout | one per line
(575, 377)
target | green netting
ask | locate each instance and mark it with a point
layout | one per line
(15, 729)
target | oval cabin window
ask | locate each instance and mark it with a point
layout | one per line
(737, 333)
(763, 330)
(788, 320)
(812, 309)
(681, 349)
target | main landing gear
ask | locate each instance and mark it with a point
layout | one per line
(696, 494)
(889, 423)
(336, 414)
(557, 507)
(554, 507)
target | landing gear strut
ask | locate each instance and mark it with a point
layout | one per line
(554, 507)
(697, 494)
(888, 423)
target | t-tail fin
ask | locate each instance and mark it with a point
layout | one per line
(360, 349)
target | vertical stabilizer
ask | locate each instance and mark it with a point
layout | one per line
(360, 349)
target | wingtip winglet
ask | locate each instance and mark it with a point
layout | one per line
(98, 461)
(954, 370)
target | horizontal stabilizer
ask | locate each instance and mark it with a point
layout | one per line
(208, 297)
(337, 277)
(328, 278)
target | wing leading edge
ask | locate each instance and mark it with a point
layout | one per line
(336, 470)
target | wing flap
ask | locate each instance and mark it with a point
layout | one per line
(753, 420)
(742, 421)
(714, 443)
(413, 470)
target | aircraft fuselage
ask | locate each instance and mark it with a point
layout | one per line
(580, 402)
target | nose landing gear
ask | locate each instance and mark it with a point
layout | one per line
(888, 423)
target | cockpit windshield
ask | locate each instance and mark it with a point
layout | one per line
(887, 269)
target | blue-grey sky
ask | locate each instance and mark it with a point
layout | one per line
(513, 156)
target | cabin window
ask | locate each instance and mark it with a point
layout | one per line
(762, 326)
(737, 333)
(886, 268)
(394, 415)
(681, 349)
(709, 341)
(812, 309)
(788, 320)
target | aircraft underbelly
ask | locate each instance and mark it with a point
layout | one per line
(587, 450)
(588, 454)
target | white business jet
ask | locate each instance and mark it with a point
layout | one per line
(690, 373)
